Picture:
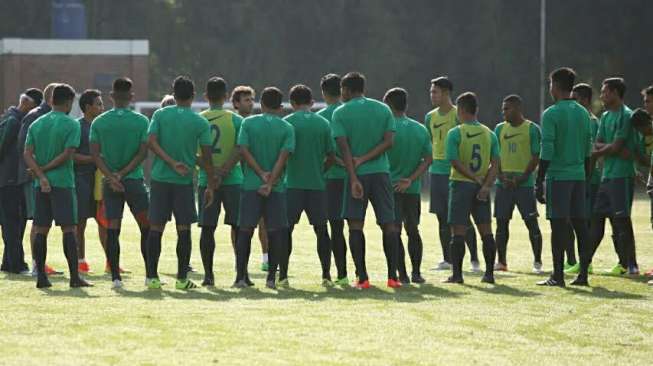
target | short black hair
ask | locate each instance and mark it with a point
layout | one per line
(122, 85)
(330, 84)
(513, 99)
(35, 94)
(583, 90)
(183, 88)
(354, 81)
(616, 84)
(647, 91)
(640, 118)
(240, 91)
(468, 102)
(564, 78)
(271, 97)
(216, 88)
(300, 94)
(87, 98)
(396, 98)
(443, 83)
(62, 94)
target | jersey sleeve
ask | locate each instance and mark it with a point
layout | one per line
(94, 136)
(205, 133)
(494, 146)
(74, 136)
(145, 123)
(337, 125)
(427, 148)
(536, 139)
(154, 125)
(453, 144)
(243, 135)
(600, 133)
(238, 121)
(289, 139)
(390, 122)
(548, 136)
(624, 128)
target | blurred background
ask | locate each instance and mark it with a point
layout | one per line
(492, 47)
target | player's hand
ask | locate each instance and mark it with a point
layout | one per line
(45, 185)
(180, 168)
(31, 173)
(402, 185)
(479, 181)
(358, 162)
(265, 189)
(217, 179)
(208, 197)
(340, 162)
(356, 189)
(116, 185)
(483, 194)
(266, 177)
(539, 192)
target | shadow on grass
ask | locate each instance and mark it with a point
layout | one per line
(603, 293)
(501, 289)
(57, 291)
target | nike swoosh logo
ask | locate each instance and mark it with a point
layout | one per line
(218, 117)
(440, 125)
(508, 137)
(473, 135)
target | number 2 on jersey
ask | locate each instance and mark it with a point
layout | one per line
(216, 138)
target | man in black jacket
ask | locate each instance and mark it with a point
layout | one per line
(10, 190)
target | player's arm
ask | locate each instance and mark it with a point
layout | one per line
(615, 148)
(278, 168)
(348, 159)
(138, 158)
(233, 159)
(114, 181)
(383, 146)
(34, 167)
(535, 155)
(331, 160)
(82, 159)
(60, 159)
(252, 163)
(465, 171)
(405, 183)
(155, 147)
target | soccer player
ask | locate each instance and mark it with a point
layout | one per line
(265, 142)
(242, 99)
(91, 104)
(473, 151)
(119, 145)
(314, 150)
(519, 143)
(438, 122)
(616, 142)
(49, 148)
(335, 184)
(225, 126)
(582, 93)
(13, 257)
(25, 178)
(174, 134)
(565, 163)
(409, 158)
(364, 130)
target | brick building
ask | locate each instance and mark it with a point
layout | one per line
(81, 63)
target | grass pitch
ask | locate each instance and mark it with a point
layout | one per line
(513, 322)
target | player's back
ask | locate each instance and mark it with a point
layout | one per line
(225, 126)
(312, 143)
(474, 143)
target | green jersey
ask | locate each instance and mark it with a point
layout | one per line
(616, 125)
(438, 125)
(120, 133)
(180, 132)
(566, 140)
(411, 144)
(364, 122)
(313, 142)
(596, 173)
(265, 136)
(49, 136)
(518, 145)
(225, 126)
(335, 171)
(474, 145)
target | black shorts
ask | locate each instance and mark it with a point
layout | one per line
(313, 202)
(272, 209)
(614, 198)
(440, 195)
(335, 189)
(84, 185)
(167, 199)
(59, 205)
(226, 196)
(463, 203)
(29, 196)
(135, 195)
(408, 208)
(505, 201)
(377, 189)
(565, 199)
(591, 191)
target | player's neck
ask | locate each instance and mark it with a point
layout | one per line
(89, 117)
(184, 103)
(445, 106)
(517, 121)
(216, 105)
(60, 109)
(399, 114)
(616, 106)
(303, 108)
(329, 100)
